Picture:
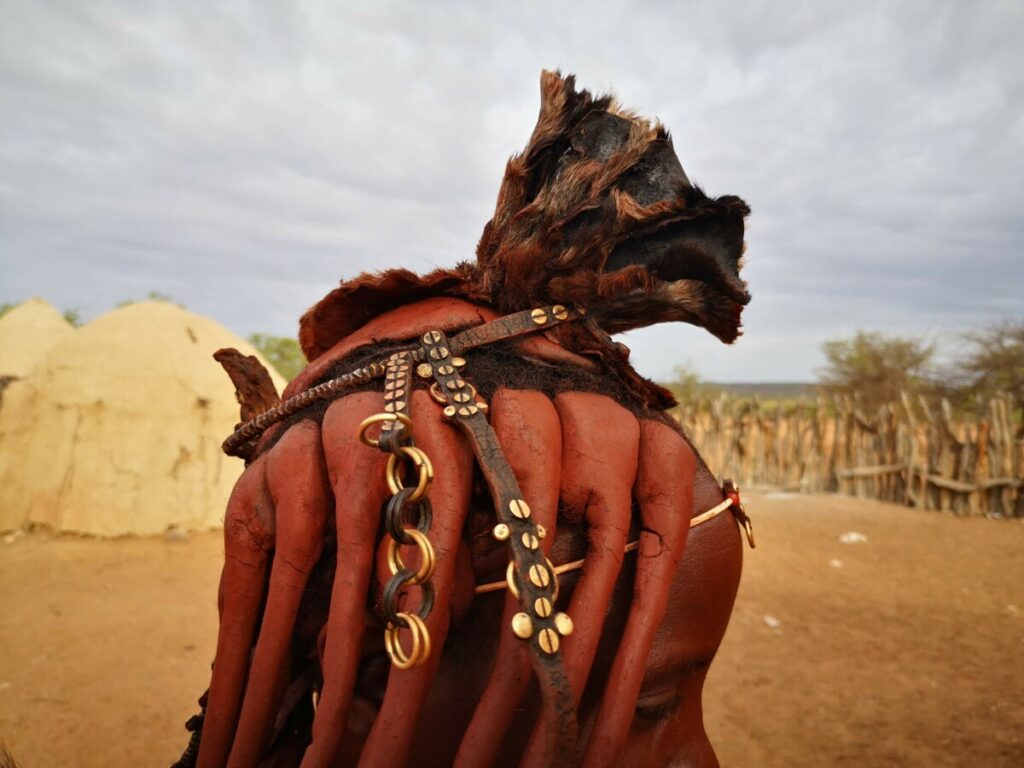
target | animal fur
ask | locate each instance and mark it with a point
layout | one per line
(595, 211)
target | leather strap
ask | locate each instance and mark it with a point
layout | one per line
(536, 580)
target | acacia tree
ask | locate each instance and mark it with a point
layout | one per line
(874, 368)
(994, 361)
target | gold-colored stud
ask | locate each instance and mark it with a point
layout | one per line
(424, 371)
(542, 607)
(541, 531)
(522, 626)
(501, 532)
(560, 312)
(445, 370)
(484, 407)
(580, 310)
(389, 407)
(463, 411)
(563, 624)
(438, 353)
(400, 392)
(449, 412)
(540, 576)
(462, 397)
(400, 405)
(519, 508)
(539, 316)
(458, 362)
(547, 639)
(435, 336)
(426, 338)
(530, 541)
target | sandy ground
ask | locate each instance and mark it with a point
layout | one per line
(902, 650)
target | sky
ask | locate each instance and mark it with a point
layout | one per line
(243, 158)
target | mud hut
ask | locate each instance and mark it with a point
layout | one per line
(27, 333)
(118, 429)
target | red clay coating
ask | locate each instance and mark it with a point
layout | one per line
(394, 725)
(356, 475)
(664, 493)
(297, 480)
(248, 536)
(600, 447)
(529, 431)
(599, 457)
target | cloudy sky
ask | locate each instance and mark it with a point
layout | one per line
(243, 157)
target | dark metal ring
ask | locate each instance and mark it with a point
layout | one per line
(390, 598)
(395, 515)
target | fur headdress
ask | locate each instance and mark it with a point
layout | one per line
(596, 211)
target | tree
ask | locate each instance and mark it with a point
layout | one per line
(281, 352)
(73, 316)
(994, 361)
(686, 383)
(875, 368)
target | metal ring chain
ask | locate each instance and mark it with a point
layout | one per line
(407, 516)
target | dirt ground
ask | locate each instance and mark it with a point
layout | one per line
(905, 649)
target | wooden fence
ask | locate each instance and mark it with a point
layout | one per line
(913, 452)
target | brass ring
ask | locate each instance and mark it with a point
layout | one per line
(422, 463)
(427, 557)
(420, 650)
(510, 579)
(376, 419)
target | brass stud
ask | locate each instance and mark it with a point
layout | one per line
(560, 312)
(426, 338)
(547, 639)
(484, 407)
(458, 362)
(449, 412)
(424, 371)
(541, 531)
(542, 607)
(563, 624)
(435, 336)
(522, 626)
(400, 405)
(501, 532)
(530, 541)
(463, 411)
(454, 384)
(539, 576)
(400, 392)
(462, 397)
(472, 410)
(389, 407)
(445, 370)
(539, 316)
(519, 508)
